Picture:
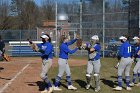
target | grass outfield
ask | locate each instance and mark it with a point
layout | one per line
(108, 78)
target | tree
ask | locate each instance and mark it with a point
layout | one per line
(25, 12)
(48, 9)
(4, 15)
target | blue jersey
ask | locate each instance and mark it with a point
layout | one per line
(47, 49)
(137, 48)
(125, 50)
(97, 48)
(64, 49)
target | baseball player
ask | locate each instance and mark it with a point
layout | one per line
(46, 54)
(125, 63)
(2, 48)
(94, 64)
(2, 45)
(63, 62)
(136, 70)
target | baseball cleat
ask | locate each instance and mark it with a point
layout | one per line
(118, 88)
(72, 87)
(138, 84)
(97, 89)
(57, 88)
(50, 90)
(44, 91)
(132, 84)
(128, 88)
(87, 86)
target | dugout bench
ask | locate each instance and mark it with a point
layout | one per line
(22, 48)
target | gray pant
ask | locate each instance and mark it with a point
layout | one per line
(125, 65)
(93, 66)
(63, 67)
(137, 66)
(46, 65)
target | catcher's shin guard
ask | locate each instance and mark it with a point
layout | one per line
(88, 78)
(97, 80)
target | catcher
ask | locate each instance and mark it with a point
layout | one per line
(93, 65)
(46, 50)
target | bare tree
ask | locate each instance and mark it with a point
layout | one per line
(4, 15)
(48, 9)
(25, 12)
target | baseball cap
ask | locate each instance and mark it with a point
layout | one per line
(135, 37)
(95, 37)
(123, 37)
(44, 36)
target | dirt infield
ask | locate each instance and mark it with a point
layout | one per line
(21, 74)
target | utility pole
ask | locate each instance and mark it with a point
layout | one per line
(103, 28)
(81, 8)
(56, 29)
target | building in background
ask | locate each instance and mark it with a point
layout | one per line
(49, 28)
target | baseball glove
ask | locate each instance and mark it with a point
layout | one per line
(6, 57)
(79, 43)
(33, 45)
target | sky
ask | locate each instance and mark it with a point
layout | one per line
(39, 1)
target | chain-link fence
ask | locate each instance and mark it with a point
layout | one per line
(17, 44)
(108, 19)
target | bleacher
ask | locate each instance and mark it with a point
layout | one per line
(22, 48)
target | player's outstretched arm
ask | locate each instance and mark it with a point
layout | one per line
(74, 40)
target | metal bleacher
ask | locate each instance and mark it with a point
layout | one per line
(22, 48)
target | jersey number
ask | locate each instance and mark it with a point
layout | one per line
(129, 49)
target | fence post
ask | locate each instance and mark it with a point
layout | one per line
(103, 28)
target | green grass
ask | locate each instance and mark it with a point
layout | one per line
(108, 78)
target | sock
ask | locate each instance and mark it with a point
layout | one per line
(120, 81)
(127, 78)
(134, 78)
(68, 80)
(57, 80)
(139, 77)
(48, 83)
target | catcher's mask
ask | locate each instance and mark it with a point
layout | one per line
(94, 39)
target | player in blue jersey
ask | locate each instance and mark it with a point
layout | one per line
(125, 63)
(63, 62)
(93, 66)
(46, 50)
(136, 70)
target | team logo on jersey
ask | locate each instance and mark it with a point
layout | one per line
(44, 47)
